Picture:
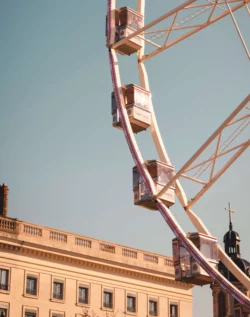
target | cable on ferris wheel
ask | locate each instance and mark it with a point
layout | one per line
(155, 182)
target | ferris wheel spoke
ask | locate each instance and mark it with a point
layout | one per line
(197, 222)
(199, 257)
(178, 31)
(153, 23)
(238, 29)
(223, 147)
(227, 147)
(212, 11)
(216, 5)
(195, 28)
(247, 8)
(225, 259)
(219, 173)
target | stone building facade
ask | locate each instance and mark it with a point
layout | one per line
(46, 272)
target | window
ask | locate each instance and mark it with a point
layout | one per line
(83, 295)
(58, 290)
(131, 303)
(222, 304)
(30, 311)
(3, 312)
(30, 314)
(31, 285)
(108, 299)
(57, 314)
(173, 310)
(152, 307)
(4, 280)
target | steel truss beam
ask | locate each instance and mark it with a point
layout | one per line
(235, 118)
(181, 31)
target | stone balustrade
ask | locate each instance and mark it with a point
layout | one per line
(8, 225)
(82, 246)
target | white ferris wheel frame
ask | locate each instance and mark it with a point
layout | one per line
(155, 132)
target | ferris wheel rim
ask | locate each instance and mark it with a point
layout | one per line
(168, 217)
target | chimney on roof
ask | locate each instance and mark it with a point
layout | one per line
(4, 200)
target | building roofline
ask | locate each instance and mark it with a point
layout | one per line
(88, 237)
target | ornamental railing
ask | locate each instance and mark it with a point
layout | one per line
(24, 231)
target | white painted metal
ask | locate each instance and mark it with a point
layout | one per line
(164, 157)
(238, 29)
(206, 144)
(213, 17)
(155, 132)
(149, 25)
(247, 8)
(196, 29)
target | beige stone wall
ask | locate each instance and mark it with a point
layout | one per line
(94, 268)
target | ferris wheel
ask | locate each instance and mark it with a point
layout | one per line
(155, 182)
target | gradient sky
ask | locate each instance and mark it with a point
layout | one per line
(66, 166)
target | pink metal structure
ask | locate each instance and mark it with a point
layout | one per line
(222, 141)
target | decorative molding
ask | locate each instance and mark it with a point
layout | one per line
(122, 270)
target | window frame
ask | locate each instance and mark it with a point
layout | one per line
(30, 314)
(58, 280)
(30, 309)
(134, 295)
(83, 285)
(34, 276)
(8, 269)
(155, 300)
(174, 304)
(108, 290)
(6, 306)
(57, 312)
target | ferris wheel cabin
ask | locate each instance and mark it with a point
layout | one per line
(186, 268)
(137, 103)
(127, 21)
(161, 173)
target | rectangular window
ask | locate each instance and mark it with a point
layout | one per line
(31, 285)
(108, 299)
(3, 312)
(29, 311)
(152, 307)
(131, 303)
(57, 290)
(4, 280)
(29, 314)
(83, 295)
(57, 314)
(173, 310)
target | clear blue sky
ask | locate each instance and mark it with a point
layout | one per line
(66, 166)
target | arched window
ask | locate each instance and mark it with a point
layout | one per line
(222, 304)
